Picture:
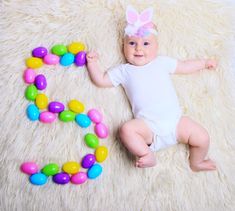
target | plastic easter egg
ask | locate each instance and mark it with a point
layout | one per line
(71, 167)
(40, 82)
(94, 171)
(79, 178)
(50, 169)
(67, 59)
(59, 50)
(55, 107)
(101, 130)
(51, 59)
(29, 168)
(76, 106)
(80, 58)
(91, 140)
(88, 161)
(38, 179)
(33, 112)
(41, 101)
(34, 62)
(95, 116)
(31, 92)
(47, 117)
(76, 47)
(29, 76)
(61, 178)
(101, 153)
(67, 116)
(39, 52)
(83, 120)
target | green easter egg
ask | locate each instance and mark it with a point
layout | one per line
(59, 50)
(67, 116)
(50, 169)
(31, 92)
(91, 140)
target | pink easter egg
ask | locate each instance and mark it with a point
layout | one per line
(101, 130)
(94, 115)
(51, 59)
(29, 76)
(47, 117)
(78, 178)
(29, 168)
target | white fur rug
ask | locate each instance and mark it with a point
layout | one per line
(187, 29)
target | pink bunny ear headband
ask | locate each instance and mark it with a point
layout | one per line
(139, 25)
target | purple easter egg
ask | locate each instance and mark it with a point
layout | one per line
(39, 52)
(61, 178)
(80, 58)
(55, 107)
(88, 161)
(40, 82)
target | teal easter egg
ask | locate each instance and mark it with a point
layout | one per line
(33, 112)
(67, 116)
(38, 179)
(59, 50)
(91, 140)
(67, 59)
(83, 120)
(94, 171)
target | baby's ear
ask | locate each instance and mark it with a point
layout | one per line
(146, 15)
(131, 15)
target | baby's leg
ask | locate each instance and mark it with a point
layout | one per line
(136, 136)
(190, 132)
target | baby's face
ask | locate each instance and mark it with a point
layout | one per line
(140, 50)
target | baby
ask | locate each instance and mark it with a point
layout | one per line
(158, 121)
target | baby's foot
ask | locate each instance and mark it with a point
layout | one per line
(147, 160)
(206, 165)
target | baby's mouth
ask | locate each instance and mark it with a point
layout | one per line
(137, 55)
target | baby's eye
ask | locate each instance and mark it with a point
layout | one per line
(146, 43)
(131, 43)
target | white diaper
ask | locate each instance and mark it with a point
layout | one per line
(164, 140)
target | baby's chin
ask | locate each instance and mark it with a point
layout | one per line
(139, 61)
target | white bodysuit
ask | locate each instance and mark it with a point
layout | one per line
(152, 96)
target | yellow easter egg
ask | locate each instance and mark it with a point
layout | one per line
(41, 101)
(101, 153)
(34, 62)
(71, 167)
(76, 106)
(76, 47)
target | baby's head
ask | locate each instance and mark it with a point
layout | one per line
(140, 41)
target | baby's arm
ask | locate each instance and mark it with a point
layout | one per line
(191, 66)
(98, 77)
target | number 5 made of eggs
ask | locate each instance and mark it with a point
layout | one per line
(45, 111)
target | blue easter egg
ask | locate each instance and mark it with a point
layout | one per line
(67, 59)
(83, 120)
(33, 112)
(94, 171)
(38, 179)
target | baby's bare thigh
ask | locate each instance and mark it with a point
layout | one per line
(186, 127)
(141, 128)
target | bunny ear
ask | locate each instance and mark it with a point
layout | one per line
(146, 15)
(132, 15)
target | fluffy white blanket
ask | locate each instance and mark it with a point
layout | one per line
(187, 29)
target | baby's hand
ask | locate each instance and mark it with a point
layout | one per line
(211, 64)
(92, 57)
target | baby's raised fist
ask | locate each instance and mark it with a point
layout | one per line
(211, 64)
(92, 57)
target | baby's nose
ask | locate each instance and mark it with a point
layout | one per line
(138, 47)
